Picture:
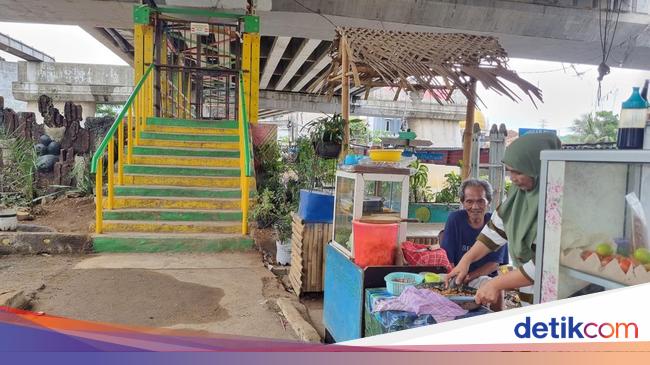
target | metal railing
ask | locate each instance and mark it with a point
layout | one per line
(136, 110)
(246, 154)
(186, 92)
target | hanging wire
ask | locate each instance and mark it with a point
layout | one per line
(605, 41)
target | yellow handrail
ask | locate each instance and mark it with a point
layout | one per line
(136, 110)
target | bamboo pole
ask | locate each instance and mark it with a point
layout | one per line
(345, 97)
(469, 124)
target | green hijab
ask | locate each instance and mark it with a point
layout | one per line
(519, 211)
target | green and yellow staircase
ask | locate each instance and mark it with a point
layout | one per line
(165, 178)
(181, 191)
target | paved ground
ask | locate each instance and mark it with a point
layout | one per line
(228, 293)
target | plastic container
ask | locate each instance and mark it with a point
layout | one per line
(283, 253)
(430, 277)
(8, 220)
(316, 207)
(396, 282)
(352, 159)
(374, 244)
(385, 155)
(632, 122)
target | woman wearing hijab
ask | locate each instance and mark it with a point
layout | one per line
(514, 222)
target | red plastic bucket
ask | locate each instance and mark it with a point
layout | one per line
(374, 244)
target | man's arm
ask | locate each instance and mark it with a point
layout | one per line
(485, 269)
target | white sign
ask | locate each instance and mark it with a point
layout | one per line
(200, 28)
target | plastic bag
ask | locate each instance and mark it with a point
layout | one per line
(639, 222)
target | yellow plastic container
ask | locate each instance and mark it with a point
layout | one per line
(430, 277)
(385, 155)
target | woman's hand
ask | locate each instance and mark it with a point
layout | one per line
(488, 293)
(458, 273)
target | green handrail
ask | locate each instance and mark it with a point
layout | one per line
(118, 120)
(247, 150)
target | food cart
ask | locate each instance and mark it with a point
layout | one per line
(436, 64)
(592, 233)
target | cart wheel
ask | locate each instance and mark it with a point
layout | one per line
(328, 337)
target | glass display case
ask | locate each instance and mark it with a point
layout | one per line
(592, 232)
(368, 195)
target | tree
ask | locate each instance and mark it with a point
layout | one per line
(107, 110)
(598, 128)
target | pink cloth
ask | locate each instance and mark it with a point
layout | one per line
(422, 301)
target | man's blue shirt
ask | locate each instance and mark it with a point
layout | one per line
(459, 237)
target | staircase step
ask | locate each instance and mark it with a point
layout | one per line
(189, 137)
(172, 215)
(185, 161)
(170, 191)
(196, 123)
(181, 181)
(179, 171)
(159, 242)
(192, 130)
(149, 202)
(171, 227)
(197, 152)
(230, 146)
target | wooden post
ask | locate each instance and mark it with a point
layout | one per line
(469, 125)
(345, 97)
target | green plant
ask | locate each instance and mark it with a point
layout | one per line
(17, 187)
(107, 110)
(264, 211)
(312, 171)
(594, 128)
(326, 129)
(449, 194)
(419, 184)
(84, 179)
(284, 228)
(271, 166)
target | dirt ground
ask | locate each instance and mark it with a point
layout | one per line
(72, 215)
(225, 293)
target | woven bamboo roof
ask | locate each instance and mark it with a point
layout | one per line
(429, 61)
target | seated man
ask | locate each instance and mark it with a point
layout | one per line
(464, 225)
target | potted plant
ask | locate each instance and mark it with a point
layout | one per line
(283, 244)
(326, 134)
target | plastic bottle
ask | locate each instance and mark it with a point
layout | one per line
(631, 125)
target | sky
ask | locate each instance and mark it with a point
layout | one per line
(569, 90)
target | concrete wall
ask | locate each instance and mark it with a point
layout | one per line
(443, 133)
(9, 74)
(74, 82)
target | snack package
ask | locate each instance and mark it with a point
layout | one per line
(639, 222)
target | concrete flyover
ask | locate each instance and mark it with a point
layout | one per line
(295, 39)
(91, 84)
(83, 84)
(20, 49)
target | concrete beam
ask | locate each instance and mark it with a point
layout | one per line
(277, 50)
(306, 48)
(317, 67)
(110, 43)
(21, 50)
(370, 108)
(556, 31)
(74, 82)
